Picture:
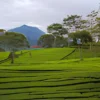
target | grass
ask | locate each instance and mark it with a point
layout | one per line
(44, 77)
(44, 55)
(3, 55)
(86, 53)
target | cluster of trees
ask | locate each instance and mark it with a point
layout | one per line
(55, 38)
(84, 35)
(12, 42)
(73, 27)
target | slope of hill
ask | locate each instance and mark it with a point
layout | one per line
(52, 80)
(32, 33)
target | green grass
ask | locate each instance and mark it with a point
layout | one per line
(44, 55)
(44, 77)
(86, 53)
(3, 55)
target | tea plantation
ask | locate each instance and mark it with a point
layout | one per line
(42, 75)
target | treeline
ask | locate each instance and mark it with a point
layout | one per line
(73, 27)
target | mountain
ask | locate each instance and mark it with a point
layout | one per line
(32, 33)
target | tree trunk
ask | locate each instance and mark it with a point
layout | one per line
(54, 45)
(90, 45)
(12, 57)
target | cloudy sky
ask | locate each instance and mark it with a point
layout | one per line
(41, 13)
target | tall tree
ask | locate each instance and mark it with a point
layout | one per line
(11, 41)
(46, 40)
(91, 23)
(92, 20)
(74, 23)
(57, 30)
(84, 35)
(96, 29)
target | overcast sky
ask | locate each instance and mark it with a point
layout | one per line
(41, 13)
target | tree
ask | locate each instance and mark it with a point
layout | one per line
(96, 29)
(83, 35)
(61, 41)
(2, 30)
(74, 23)
(91, 23)
(57, 30)
(91, 20)
(46, 40)
(11, 41)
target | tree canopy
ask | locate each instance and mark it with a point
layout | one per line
(83, 35)
(46, 40)
(57, 29)
(11, 41)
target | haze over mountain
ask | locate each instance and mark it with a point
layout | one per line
(32, 33)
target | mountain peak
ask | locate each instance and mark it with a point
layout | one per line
(32, 33)
(24, 25)
(27, 26)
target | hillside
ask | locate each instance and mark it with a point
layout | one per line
(51, 79)
(32, 33)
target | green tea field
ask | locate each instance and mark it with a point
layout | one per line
(41, 75)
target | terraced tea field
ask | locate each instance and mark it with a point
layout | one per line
(50, 79)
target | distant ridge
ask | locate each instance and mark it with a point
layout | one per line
(32, 33)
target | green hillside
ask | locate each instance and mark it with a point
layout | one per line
(3, 55)
(86, 53)
(43, 55)
(41, 75)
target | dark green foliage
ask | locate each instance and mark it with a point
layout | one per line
(61, 41)
(12, 41)
(1, 50)
(83, 35)
(46, 40)
(57, 29)
(2, 30)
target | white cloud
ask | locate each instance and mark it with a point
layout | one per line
(33, 24)
(41, 13)
(22, 3)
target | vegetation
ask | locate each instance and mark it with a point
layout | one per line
(73, 21)
(46, 40)
(58, 31)
(4, 55)
(11, 41)
(44, 76)
(73, 24)
(2, 30)
(52, 73)
(83, 35)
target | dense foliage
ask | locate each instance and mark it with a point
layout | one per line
(46, 40)
(83, 35)
(11, 41)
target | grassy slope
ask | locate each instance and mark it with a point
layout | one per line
(44, 55)
(3, 55)
(86, 53)
(56, 80)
